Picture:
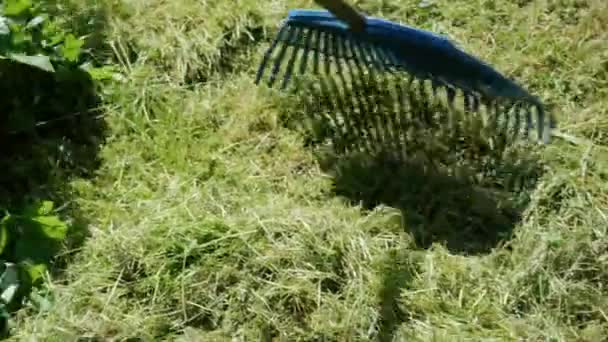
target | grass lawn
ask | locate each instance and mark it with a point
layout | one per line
(209, 219)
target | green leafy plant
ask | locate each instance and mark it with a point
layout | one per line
(47, 73)
(30, 36)
(28, 242)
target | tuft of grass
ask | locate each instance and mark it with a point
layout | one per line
(211, 221)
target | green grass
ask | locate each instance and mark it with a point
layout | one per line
(209, 219)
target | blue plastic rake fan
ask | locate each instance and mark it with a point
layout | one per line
(359, 48)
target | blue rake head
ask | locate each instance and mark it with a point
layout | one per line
(389, 48)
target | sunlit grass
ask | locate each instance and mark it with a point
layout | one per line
(211, 221)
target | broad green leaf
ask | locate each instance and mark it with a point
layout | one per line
(35, 271)
(38, 208)
(52, 33)
(40, 238)
(16, 7)
(4, 231)
(40, 62)
(71, 48)
(52, 227)
(6, 218)
(3, 237)
(45, 208)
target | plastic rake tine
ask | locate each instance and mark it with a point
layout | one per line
(377, 47)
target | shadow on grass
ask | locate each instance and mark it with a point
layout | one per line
(463, 183)
(398, 271)
(468, 217)
(436, 206)
(51, 130)
(463, 190)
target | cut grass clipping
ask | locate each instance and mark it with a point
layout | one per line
(211, 220)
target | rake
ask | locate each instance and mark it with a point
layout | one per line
(413, 65)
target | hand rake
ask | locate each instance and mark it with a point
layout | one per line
(415, 66)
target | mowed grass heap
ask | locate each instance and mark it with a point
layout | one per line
(210, 219)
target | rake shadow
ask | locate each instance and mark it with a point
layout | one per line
(469, 215)
(467, 193)
(435, 206)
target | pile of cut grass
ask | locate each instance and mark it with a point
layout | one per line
(210, 220)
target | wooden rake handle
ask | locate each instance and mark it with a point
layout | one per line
(344, 12)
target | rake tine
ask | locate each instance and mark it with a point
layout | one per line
(370, 52)
(400, 124)
(541, 124)
(340, 51)
(503, 117)
(281, 56)
(358, 45)
(358, 56)
(306, 51)
(467, 102)
(504, 128)
(353, 130)
(552, 124)
(392, 132)
(391, 119)
(451, 97)
(391, 60)
(509, 122)
(268, 54)
(528, 125)
(313, 96)
(413, 104)
(322, 83)
(344, 132)
(500, 110)
(373, 131)
(426, 103)
(434, 87)
(476, 103)
(476, 106)
(344, 127)
(378, 82)
(315, 62)
(316, 96)
(374, 122)
(364, 106)
(315, 56)
(350, 128)
(495, 119)
(326, 52)
(500, 134)
(517, 124)
(337, 47)
(291, 63)
(356, 101)
(486, 117)
(342, 144)
(469, 105)
(442, 118)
